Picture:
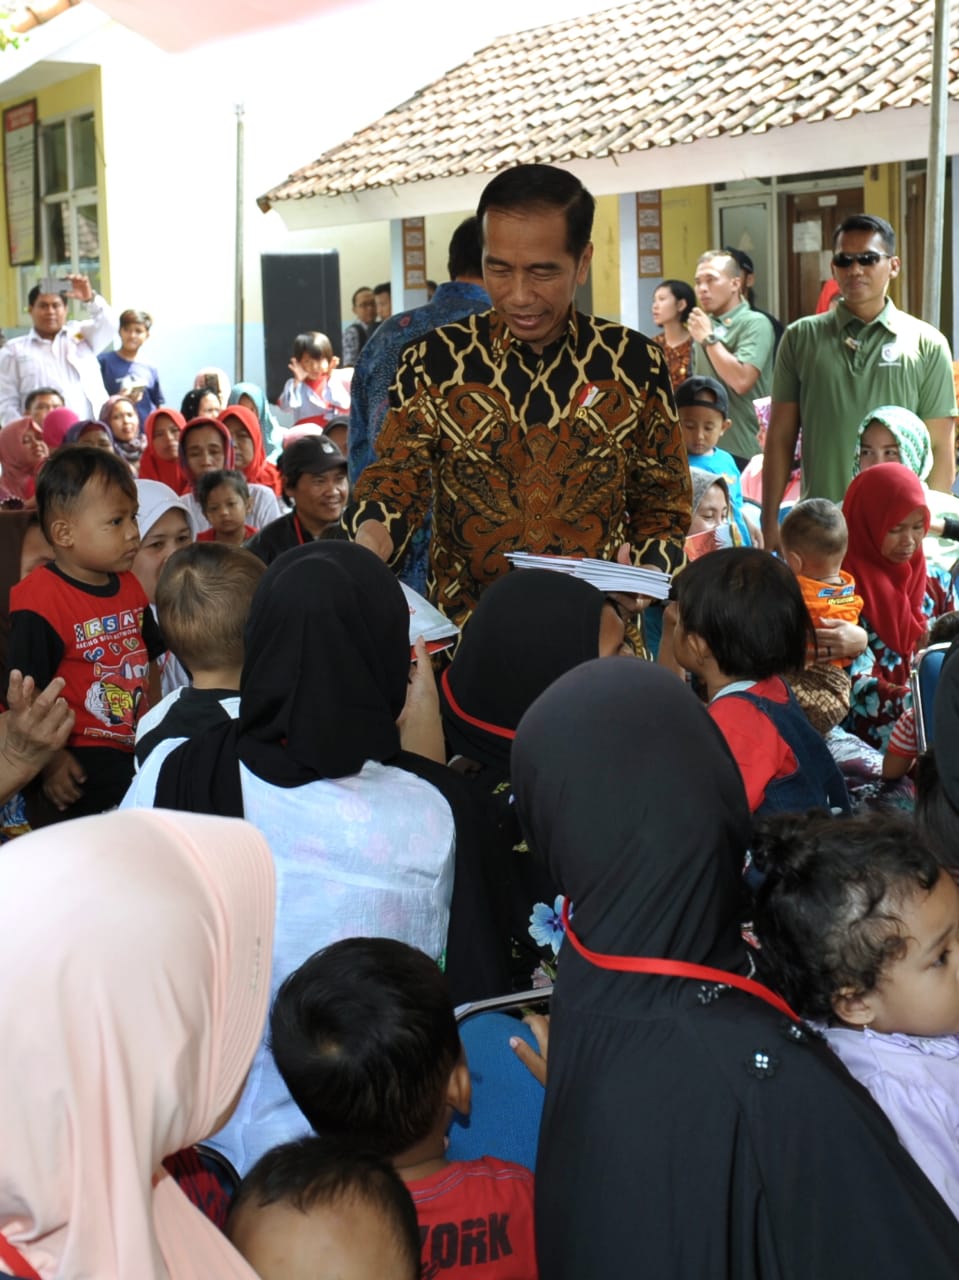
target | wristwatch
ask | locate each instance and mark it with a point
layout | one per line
(712, 338)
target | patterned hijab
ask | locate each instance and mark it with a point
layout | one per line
(912, 436)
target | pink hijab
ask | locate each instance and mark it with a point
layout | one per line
(18, 468)
(56, 425)
(134, 998)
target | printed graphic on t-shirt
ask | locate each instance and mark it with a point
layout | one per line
(113, 646)
(469, 1243)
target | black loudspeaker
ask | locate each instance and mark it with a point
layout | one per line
(301, 291)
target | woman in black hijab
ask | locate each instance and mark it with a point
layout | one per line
(529, 628)
(690, 1129)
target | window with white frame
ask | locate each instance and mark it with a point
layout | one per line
(69, 212)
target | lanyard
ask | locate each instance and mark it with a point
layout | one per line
(299, 530)
(675, 969)
(18, 1264)
(495, 729)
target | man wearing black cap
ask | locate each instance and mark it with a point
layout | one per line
(314, 480)
(732, 343)
(749, 282)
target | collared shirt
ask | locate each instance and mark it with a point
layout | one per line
(68, 362)
(836, 368)
(572, 451)
(374, 375)
(750, 337)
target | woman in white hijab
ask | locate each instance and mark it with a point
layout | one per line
(136, 963)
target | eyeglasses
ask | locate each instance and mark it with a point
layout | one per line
(845, 260)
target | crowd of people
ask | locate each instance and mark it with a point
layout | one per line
(262, 845)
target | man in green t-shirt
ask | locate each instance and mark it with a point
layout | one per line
(834, 369)
(733, 343)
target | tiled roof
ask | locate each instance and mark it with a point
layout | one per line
(654, 73)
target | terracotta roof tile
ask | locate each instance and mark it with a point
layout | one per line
(647, 74)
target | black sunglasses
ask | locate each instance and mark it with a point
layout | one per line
(844, 260)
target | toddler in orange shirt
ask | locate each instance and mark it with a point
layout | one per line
(814, 541)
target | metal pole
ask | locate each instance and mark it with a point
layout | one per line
(936, 169)
(238, 265)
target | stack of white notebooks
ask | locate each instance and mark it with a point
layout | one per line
(605, 575)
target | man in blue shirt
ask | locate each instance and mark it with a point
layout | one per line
(463, 295)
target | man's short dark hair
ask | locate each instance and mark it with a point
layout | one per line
(131, 316)
(36, 291)
(868, 222)
(466, 250)
(41, 391)
(65, 475)
(382, 288)
(731, 267)
(531, 186)
(748, 608)
(319, 1172)
(364, 1036)
(364, 288)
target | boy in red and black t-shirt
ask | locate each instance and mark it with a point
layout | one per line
(365, 1038)
(86, 618)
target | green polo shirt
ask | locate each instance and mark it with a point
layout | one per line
(838, 369)
(751, 338)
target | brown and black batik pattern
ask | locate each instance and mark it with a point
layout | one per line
(571, 452)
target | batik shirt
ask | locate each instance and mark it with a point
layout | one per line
(573, 451)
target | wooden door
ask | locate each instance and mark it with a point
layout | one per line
(810, 222)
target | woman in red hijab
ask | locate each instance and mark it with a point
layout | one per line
(22, 454)
(161, 457)
(244, 426)
(885, 509)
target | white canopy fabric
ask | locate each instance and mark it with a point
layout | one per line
(177, 25)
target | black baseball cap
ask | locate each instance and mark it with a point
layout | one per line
(310, 455)
(743, 259)
(705, 391)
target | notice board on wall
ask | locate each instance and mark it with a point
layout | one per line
(20, 182)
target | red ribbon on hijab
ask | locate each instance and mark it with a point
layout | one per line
(877, 500)
(675, 969)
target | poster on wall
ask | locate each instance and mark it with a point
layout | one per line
(20, 181)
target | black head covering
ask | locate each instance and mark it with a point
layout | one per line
(605, 766)
(13, 530)
(947, 725)
(529, 628)
(327, 662)
(688, 1131)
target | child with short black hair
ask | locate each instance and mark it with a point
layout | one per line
(814, 540)
(702, 405)
(86, 617)
(315, 390)
(858, 925)
(365, 1038)
(225, 500)
(740, 624)
(124, 373)
(203, 599)
(321, 1210)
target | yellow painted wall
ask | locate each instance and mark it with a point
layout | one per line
(79, 93)
(882, 196)
(687, 230)
(605, 269)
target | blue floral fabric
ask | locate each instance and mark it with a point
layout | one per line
(880, 676)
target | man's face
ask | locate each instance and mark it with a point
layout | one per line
(133, 336)
(530, 275)
(40, 406)
(384, 306)
(716, 291)
(320, 499)
(364, 308)
(864, 286)
(48, 314)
